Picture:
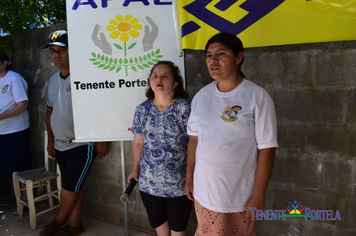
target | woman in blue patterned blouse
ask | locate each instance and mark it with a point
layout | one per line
(160, 150)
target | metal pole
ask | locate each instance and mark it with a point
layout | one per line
(124, 186)
(177, 26)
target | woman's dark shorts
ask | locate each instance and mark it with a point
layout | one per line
(160, 209)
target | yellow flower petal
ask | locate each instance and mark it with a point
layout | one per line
(115, 34)
(137, 27)
(128, 17)
(119, 18)
(111, 28)
(124, 37)
(134, 21)
(113, 22)
(134, 33)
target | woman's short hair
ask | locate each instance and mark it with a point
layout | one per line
(4, 57)
(229, 40)
(179, 91)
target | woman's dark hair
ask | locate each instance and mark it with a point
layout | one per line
(4, 57)
(229, 40)
(179, 91)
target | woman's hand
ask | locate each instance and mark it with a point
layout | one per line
(188, 189)
(256, 201)
(133, 174)
(137, 153)
(192, 147)
(263, 174)
(20, 107)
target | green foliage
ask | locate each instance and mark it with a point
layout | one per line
(20, 15)
(3, 43)
(142, 62)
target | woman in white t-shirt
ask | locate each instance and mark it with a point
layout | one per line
(233, 135)
(14, 124)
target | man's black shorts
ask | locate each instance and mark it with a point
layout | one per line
(75, 164)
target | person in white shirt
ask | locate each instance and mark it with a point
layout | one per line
(15, 147)
(231, 149)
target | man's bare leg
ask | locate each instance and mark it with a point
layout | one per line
(68, 202)
(74, 218)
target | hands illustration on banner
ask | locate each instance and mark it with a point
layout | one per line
(124, 28)
(101, 43)
(149, 37)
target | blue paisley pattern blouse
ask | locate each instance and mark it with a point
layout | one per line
(164, 157)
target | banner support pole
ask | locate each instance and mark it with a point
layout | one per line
(124, 186)
(177, 26)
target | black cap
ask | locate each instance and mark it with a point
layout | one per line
(58, 38)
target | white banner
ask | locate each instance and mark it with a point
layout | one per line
(112, 48)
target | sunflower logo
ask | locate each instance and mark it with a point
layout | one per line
(5, 88)
(124, 27)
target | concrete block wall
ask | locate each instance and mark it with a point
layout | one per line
(313, 88)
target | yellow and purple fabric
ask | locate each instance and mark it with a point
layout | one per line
(267, 22)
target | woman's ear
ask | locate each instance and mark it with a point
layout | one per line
(239, 57)
(5, 63)
(175, 85)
